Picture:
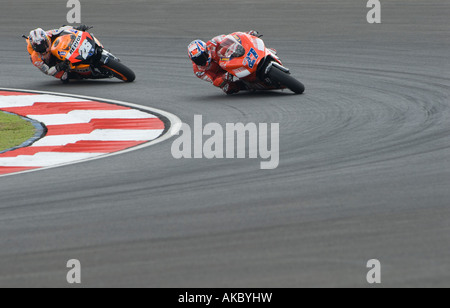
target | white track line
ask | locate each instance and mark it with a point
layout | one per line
(85, 116)
(99, 135)
(28, 101)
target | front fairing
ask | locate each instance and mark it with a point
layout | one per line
(76, 48)
(240, 54)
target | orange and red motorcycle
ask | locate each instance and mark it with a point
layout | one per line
(247, 58)
(86, 58)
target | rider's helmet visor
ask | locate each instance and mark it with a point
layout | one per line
(201, 60)
(41, 47)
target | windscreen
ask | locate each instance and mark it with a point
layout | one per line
(230, 48)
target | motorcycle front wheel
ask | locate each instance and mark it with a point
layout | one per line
(120, 71)
(285, 79)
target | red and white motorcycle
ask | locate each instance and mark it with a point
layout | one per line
(246, 57)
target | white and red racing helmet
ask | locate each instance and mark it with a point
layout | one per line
(39, 40)
(199, 53)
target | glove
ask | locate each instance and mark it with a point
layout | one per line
(83, 28)
(62, 66)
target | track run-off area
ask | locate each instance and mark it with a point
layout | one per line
(78, 129)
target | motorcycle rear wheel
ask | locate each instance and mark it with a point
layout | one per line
(120, 71)
(285, 79)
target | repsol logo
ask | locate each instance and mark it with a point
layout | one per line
(75, 44)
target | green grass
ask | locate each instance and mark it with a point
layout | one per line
(14, 131)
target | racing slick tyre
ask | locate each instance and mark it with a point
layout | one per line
(286, 80)
(120, 71)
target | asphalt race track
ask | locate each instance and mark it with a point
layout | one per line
(364, 168)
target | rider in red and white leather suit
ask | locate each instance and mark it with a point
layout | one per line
(206, 64)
